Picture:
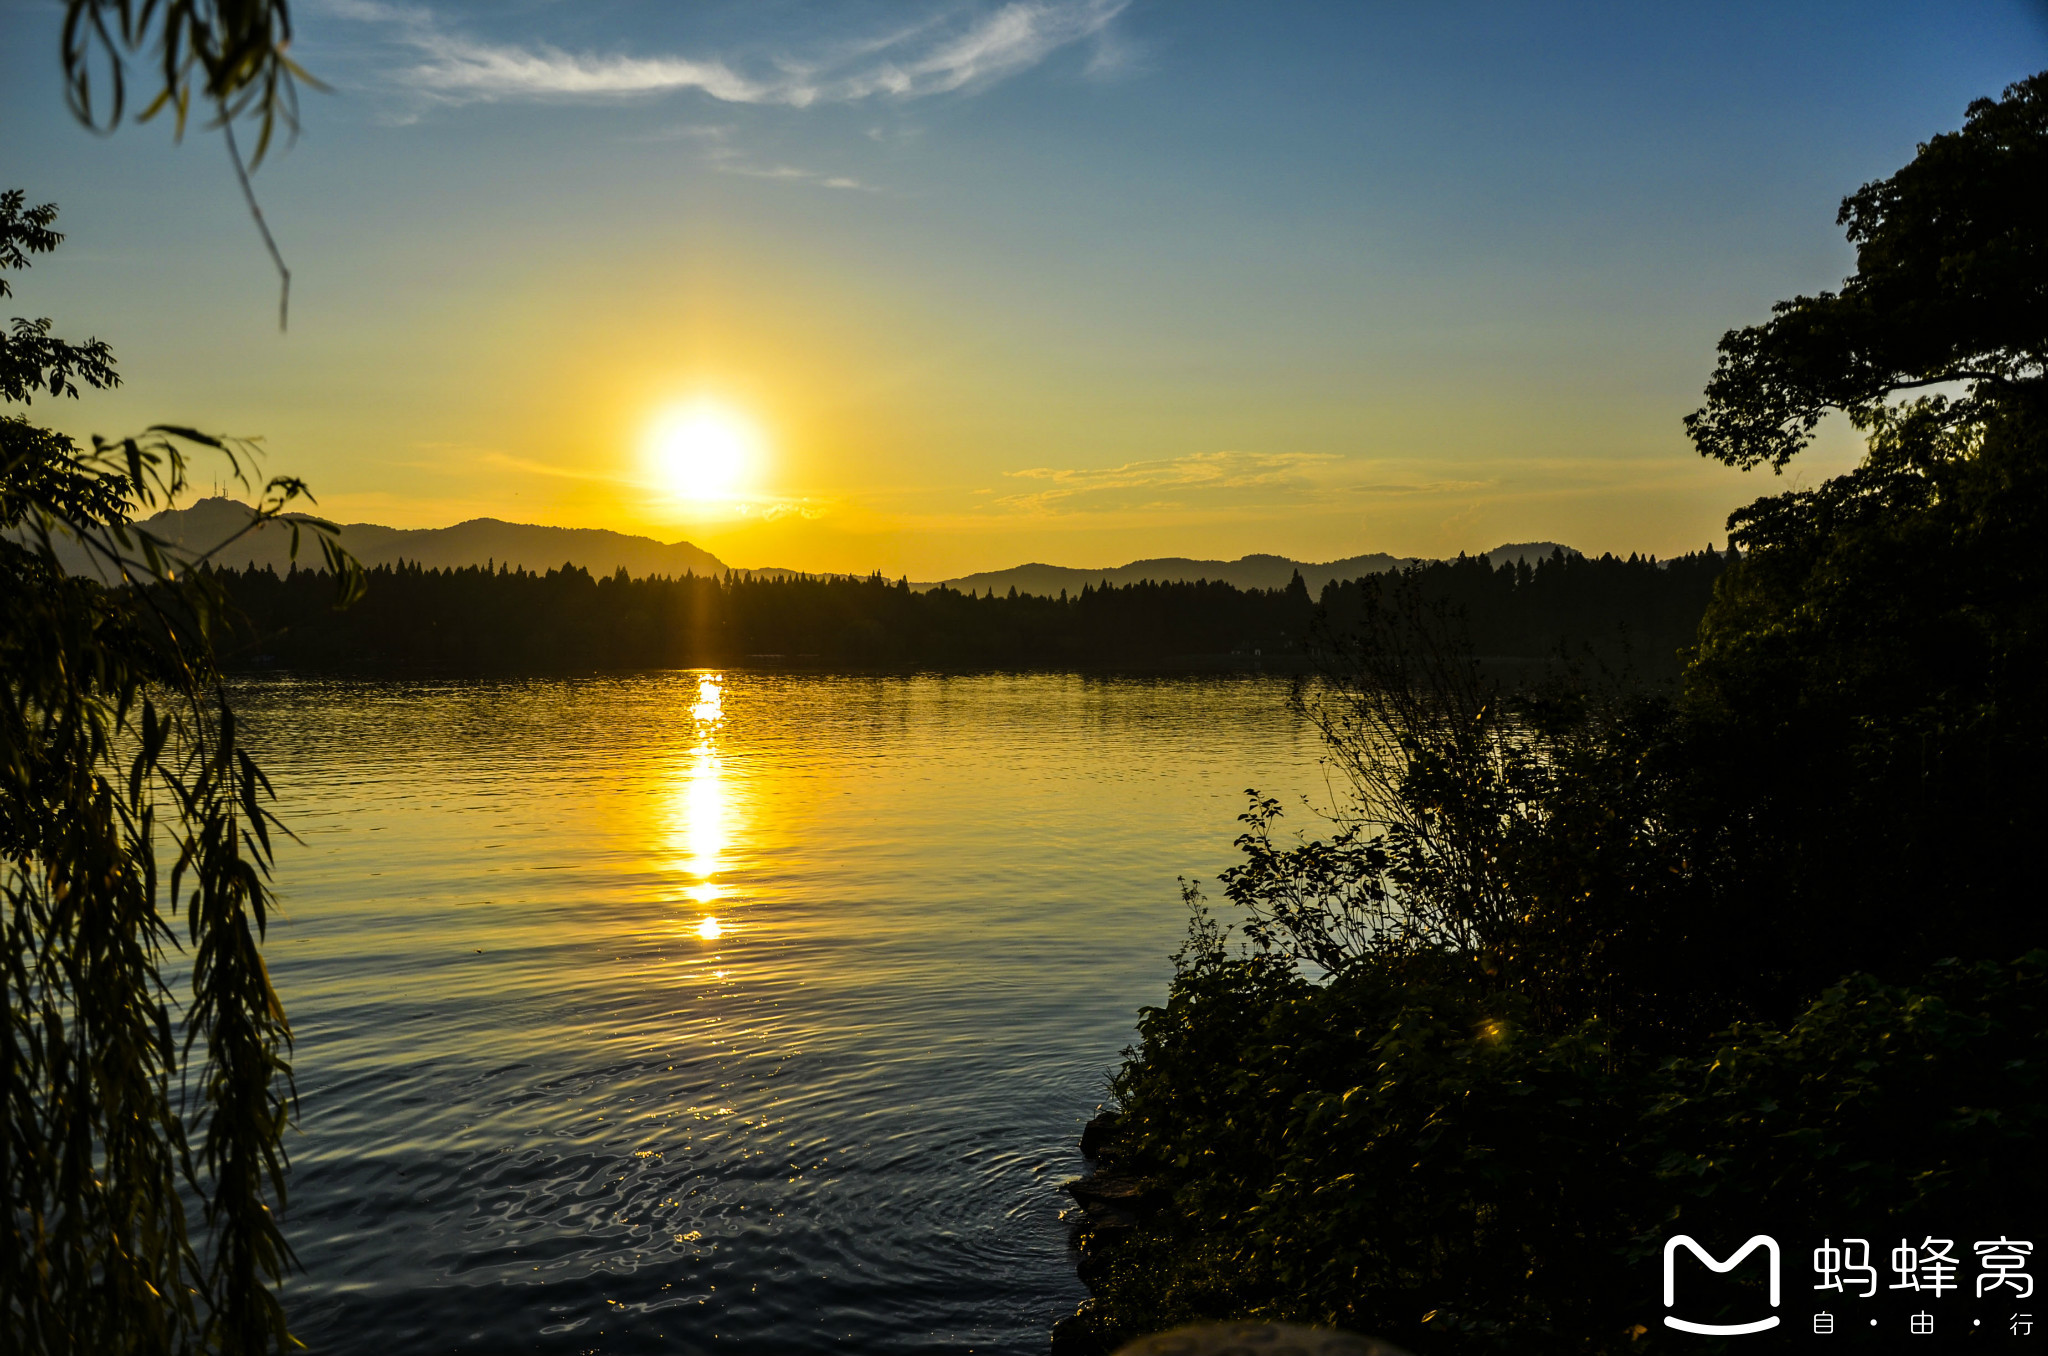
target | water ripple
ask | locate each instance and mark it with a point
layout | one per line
(686, 1011)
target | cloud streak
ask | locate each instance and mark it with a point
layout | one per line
(947, 53)
(721, 153)
(1195, 472)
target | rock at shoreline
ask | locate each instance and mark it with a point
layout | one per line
(1110, 1200)
(1095, 1135)
(1110, 1205)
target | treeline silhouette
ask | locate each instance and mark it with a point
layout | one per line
(481, 618)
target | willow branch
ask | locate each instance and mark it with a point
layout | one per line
(284, 294)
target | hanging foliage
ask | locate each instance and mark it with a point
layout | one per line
(143, 1056)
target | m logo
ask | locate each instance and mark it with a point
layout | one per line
(1764, 1241)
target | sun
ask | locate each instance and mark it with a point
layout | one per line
(704, 452)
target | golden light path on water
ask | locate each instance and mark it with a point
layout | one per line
(733, 1009)
(700, 818)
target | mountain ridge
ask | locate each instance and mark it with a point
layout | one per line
(1257, 571)
(474, 541)
(200, 526)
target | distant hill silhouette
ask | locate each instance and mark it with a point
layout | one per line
(519, 545)
(1249, 572)
(529, 546)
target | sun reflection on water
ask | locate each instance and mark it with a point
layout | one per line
(703, 810)
(710, 707)
(704, 807)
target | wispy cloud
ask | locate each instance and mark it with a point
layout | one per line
(502, 461)
(1195, 472)
(953, 49)
(721, 151)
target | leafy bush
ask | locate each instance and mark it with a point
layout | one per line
(1400, 1152)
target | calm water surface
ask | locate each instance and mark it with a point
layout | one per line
(734, 1011)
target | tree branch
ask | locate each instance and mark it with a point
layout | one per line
(1967, 374)
(284, 295)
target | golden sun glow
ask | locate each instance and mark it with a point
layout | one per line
(704, 452)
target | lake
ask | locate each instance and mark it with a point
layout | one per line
(725, 1010)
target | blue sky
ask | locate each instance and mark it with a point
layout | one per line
(1076, 280)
